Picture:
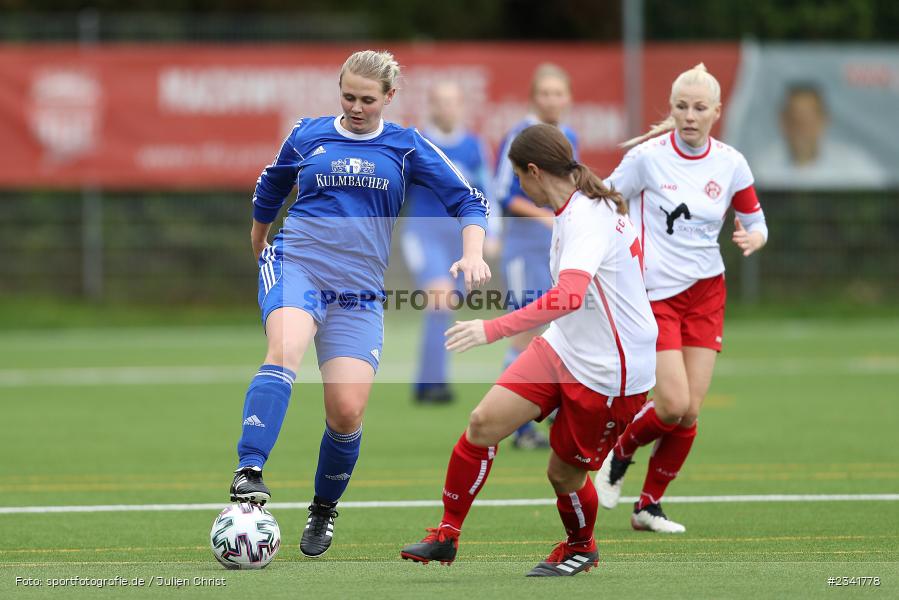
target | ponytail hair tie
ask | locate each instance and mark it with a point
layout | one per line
(573, 165)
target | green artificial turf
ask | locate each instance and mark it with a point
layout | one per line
(151, 415)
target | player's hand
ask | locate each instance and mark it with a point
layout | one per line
(258, 247)
(465, 334)
(475, 271)
(747, 241)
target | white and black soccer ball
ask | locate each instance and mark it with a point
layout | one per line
(245, 536)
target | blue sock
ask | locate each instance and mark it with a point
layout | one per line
(524, 428)
(263, 413)
(433, 359)
(336, 458)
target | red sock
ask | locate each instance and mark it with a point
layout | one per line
(667, 459)
(468, 468)
(578, 512)
(645, 428)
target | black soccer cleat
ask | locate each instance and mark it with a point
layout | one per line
(435, 394)
(249, 487)
(440, 544)
(565, 562)
(319, 529)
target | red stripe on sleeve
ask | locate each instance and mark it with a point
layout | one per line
(566, 297)
(745, 201)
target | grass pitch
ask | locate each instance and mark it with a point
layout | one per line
(144, 416)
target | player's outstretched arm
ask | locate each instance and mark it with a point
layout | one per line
(259, 237)
(566, 297)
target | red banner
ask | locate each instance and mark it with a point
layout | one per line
(211, 116)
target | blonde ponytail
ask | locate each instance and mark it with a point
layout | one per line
(657, 129)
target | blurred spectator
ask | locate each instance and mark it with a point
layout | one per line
(432, 239)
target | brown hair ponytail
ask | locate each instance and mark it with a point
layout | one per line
(592, 186)
(548, 148)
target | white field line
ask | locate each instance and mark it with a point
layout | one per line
(19, 510)
(402, 372)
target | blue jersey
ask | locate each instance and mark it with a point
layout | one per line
(521, 233)
(350, 191)
(467, 153)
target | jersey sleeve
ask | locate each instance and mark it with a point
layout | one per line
(584, 242)
(277, 180)
(745, 201)
(565, 297)
(627, 178)
(432, 169)
(742, 174)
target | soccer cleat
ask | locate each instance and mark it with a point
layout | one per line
(652, 518)
(531, 439)
(434, 394)
(565, 562)
(249, 487)
(441, 544)
(319, 529)
(609, 479)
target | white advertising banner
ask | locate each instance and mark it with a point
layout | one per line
(817, 116)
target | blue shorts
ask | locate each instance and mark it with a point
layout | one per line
(527, 275)
(350, 323)
(430, 246)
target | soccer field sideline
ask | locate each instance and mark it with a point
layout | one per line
(14, 510)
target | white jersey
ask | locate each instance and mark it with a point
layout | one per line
(609, 344)
(677, 203)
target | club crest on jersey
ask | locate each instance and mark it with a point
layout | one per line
(712, 190)
(352, 166)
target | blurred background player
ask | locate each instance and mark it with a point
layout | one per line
(336, 239)
(431, 240)
(594, 364)
(680, 183)
(527, 232)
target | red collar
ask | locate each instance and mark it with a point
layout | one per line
(561, 208)
(688, 156)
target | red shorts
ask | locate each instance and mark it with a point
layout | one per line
(695, 317)
(586, 426)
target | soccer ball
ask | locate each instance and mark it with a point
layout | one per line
(245, 536)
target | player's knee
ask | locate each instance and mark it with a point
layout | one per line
(564, 479)
(672, 407)
(479, 429)
(556, 477)
(689, 419)
(345, 414)
(278, 354)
